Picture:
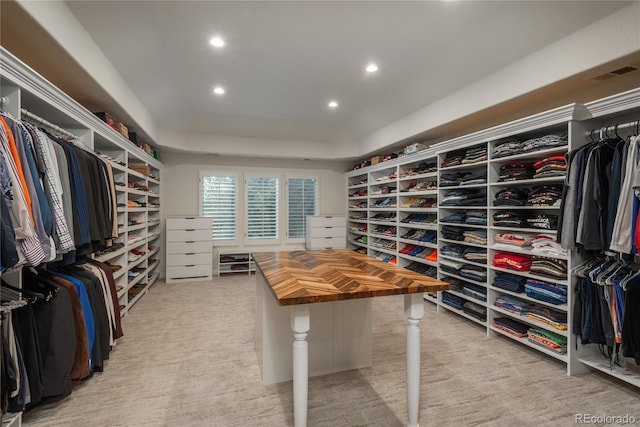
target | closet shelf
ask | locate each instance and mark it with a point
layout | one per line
(462, 260)
(531, 276)
(418, 243)
(525, 297)
(456, 276)
(597, 362)
(534, 181)
(417, 259)
(525, 319)
(502, 247)
(463, 243)
(560, 356)
(531, 155)
(462, 313)
(468, 297)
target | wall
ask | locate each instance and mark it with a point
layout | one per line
(180, 182)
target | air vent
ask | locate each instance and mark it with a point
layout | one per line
(615, 73)
(624, 70)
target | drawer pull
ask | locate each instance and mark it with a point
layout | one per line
(190, 229)
(192, 265)
(191, 253)
(190, 241)
(190, 217)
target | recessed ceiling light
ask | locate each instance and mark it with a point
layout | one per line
(371, 68)
(218, 90)
(217, 41)
(333, 104)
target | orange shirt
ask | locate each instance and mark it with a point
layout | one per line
(16, 160)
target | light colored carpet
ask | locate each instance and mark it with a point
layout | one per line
(187, 359)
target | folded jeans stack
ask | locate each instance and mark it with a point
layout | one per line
(547, 292)
(510, 282)
(475, 254)
(475, 217)
(452, 300)
(478, 237)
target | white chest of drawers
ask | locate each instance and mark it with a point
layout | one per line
(189, 249)
(326, 232)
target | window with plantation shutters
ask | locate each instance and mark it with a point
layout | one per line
(302, 201)
(262, 208)
(219, 201)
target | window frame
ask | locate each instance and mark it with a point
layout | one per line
(221, 173)
(279, 212)
(289, 176)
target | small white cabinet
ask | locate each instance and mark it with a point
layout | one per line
(189, 249)
(326, 232)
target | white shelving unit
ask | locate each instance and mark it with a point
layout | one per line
(137, 194)
(234, 261)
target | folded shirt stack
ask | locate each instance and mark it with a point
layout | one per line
(510, 282)
(475, 254)
(519, 239)
(507, 147)
(516, 171)
(545, 291)
(512, 261)
(452, 233)
(550, 167)
(510, 326)
(541, 143)
(453, 158)
(453, 300)
(511, 196)
(475, 291)
(479, 237)
(475, 310)
(545, 196)
(463, 197)
(475, 217)
(471, 178)
(510, 219)
(472, 272)
(549, 267)
(547, 339)
(547, 244)
(475, 155)
(543, 221)
(554, 318)
(511, 304)
(454, 284)
(424, 269)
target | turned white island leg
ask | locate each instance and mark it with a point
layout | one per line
(414, 310)
(300, 327)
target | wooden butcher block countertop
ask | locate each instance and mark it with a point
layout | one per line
(304, 277)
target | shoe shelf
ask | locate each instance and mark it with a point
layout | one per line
(235, 262)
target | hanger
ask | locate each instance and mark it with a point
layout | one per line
(27, 294)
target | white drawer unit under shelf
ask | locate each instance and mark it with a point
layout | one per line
(326, 232)
(189, 249)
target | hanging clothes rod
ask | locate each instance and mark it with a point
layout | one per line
(44, 123)
(607, 129)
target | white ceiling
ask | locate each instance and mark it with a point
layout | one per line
(285, 60)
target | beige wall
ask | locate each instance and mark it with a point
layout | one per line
(180, 184)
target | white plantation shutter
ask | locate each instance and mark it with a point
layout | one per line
(262, 208)
(303, 201)
(218, 198)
